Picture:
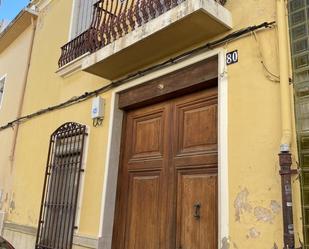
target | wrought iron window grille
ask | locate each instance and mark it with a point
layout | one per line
(61, 187)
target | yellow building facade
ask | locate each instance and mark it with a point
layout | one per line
(15, 51)
(254, 118)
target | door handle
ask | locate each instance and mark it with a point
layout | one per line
(197, 210)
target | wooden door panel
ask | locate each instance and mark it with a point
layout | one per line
(169, 162)
(197, 210)
(143, 164)
(195, 125)
(144, 208)
(140, 215)
(146, 137)
(204, 160)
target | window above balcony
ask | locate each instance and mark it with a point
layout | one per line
(81, 16)
(126, 35)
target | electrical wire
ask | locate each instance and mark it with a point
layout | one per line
(269, 75)
(87, 95)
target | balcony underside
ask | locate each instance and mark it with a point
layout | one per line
(182, 27)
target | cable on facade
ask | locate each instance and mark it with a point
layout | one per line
(269, 75)
(87, 95)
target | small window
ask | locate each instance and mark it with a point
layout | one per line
(82, 16)
(64, 168)
(2, 82)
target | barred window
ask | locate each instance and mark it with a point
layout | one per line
(82, 15)
(60, 193)
(2, 82)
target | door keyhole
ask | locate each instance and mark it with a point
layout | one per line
(197, 211)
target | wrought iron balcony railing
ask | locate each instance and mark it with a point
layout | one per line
(112, 19)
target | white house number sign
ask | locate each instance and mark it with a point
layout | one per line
(232, 57)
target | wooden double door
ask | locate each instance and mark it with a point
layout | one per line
(167, 183)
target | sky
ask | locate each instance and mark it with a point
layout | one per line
(10, 8)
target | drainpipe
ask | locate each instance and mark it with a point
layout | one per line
(12, 153)
(285, 157)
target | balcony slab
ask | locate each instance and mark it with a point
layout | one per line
(185, 25)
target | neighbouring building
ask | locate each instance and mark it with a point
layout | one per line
(160, 124)
(15, 52)
(299, 34)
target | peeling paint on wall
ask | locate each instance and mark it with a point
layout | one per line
(275, 246)
(235, 246)
(275, 207)
(43, 13)
(12, 203)
(263, 214)
(1, 198)
(225, 243)
(31, 219)
(41, 18)
(241, 204)
(253, 233)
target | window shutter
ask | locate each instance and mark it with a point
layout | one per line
(83, 16)
(61, 187)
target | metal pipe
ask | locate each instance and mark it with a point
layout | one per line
(285, 157)
(19, 112)
(284, 76)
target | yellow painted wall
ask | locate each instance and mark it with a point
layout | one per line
(45, 88)
(254, 129)
(254, 138)
(254, 135)
(13, 64)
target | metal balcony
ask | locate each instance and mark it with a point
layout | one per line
(114, 19)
